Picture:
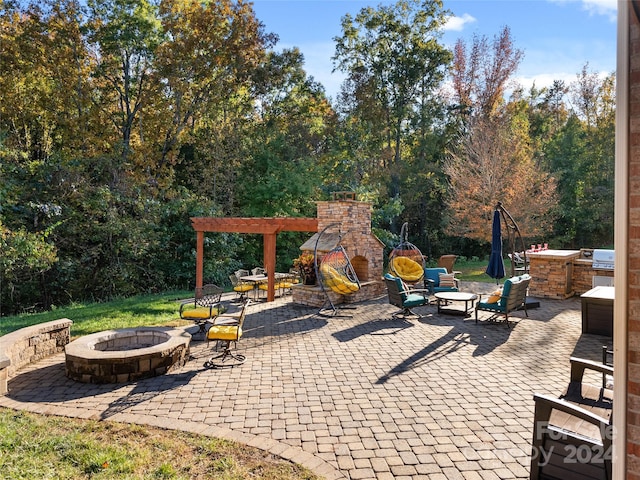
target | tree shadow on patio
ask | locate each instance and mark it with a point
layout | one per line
(464, 333)
(373, 327)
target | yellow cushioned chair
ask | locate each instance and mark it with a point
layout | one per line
(204, 307)
(407, 269)
(227, 329)
(241, 288)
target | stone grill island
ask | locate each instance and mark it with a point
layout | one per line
(562, 274)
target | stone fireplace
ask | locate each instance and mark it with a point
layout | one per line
(364, 249)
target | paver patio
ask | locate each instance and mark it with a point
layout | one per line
(366, 397)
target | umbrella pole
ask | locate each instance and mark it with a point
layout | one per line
(513, 234)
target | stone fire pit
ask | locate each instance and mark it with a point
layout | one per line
(118, 356)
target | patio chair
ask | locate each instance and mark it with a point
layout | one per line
(447, 261)
(403, 297)
(225, 330)
(439, 280)
(520, 263)
(241, 288)
(513, 297)
(572, 434)
(204, 307)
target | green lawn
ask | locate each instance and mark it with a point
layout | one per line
(473, 270)
(144, 310)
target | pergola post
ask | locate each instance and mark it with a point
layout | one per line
(199, 257)
(269, 253)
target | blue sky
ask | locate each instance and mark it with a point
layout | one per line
(558, 37)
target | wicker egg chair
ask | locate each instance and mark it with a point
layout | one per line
(406, 260)
(335, 272)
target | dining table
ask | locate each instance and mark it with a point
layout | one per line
(257, 280)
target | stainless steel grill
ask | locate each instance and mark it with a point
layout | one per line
(603, 259)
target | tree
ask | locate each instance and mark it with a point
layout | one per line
(392, 55)
(287, 140)
(582, 153)
(481, 77)
(494, 160)
(205, 66)
(124, 35)
(493, 167)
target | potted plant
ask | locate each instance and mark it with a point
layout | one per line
(306, 266)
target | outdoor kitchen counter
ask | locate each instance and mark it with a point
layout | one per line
(551, 273)
(557, 254)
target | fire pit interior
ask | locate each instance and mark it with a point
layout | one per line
(118, 356)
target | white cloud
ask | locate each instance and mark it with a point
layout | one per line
(607, 8)
(543, 80)
(457, 24)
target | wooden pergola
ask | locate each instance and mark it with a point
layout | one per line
(268, 227)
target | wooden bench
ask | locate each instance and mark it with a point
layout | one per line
(29, 345)
(572, 435)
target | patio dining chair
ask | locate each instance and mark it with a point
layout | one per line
(225, 330)
(241, 288)
(447, 261)
(204, 307)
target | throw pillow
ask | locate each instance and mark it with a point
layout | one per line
(447, 280)
(495, 296)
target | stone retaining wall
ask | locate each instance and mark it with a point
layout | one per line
(29, 345)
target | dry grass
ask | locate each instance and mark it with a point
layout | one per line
(36, 446)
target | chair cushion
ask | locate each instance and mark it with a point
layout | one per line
(444, 289)
(337, 281)
(243, 288)
(201, 313)
(446, 280)
(407, 269)
(414, 300)
(492, 307)
(224, 332)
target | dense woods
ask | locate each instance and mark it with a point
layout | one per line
(120, 119)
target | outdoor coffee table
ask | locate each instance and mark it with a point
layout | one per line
(447, 297)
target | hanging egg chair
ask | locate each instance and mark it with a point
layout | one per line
(406, 260)
(334, 271)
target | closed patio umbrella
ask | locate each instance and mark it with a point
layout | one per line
(495, 269)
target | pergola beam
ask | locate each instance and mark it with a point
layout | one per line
(269, 227)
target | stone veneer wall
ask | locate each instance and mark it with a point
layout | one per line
(358, 241)
(550, 277)
(583, 274)
(30, 344)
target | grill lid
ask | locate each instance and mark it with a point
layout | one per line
(603, 259)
